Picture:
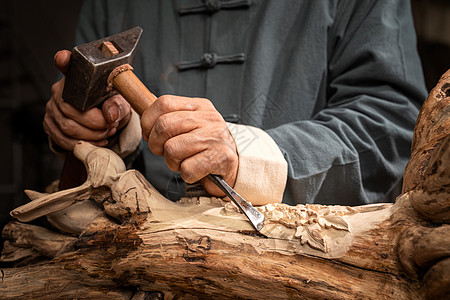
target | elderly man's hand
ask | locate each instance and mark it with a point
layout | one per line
(193, 138)
(65, 124)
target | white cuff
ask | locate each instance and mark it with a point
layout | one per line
(129, 137)
(262, 172)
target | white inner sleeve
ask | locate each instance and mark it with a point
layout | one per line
(262, 172)
(130, 136)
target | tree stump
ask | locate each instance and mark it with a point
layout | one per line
(116, 237)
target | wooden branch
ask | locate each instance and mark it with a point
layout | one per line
(133, 242)
(432, 127)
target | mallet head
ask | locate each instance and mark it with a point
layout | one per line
(91, 64)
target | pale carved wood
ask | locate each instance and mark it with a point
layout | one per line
(131, 242)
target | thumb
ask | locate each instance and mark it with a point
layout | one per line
(62, 60)
(115, 109)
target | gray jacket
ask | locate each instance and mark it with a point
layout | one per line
(336, 84)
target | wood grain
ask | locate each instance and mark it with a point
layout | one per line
(147, 246)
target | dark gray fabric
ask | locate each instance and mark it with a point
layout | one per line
(336, 84)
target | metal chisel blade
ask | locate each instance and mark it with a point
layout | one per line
(254, 216)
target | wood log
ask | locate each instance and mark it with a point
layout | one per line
(147, 247)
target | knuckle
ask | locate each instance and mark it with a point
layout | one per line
(171, 148)
(208, 104)
(48, 107)
(162, 127)
(154, 149)
(45, 126)
(145, 123)
(229, 157)
(173, 165)
(55, 88)
(92, 118)
(163, 98)
(216, 117)
(187, 173)
(64, 107)
(161, 124)
(165, 102)
(145, 135)
(218, 138)
(66, 126)
(223, 157)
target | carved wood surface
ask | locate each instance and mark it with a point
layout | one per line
(132, 243)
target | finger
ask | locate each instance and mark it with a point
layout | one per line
(170, 125)
(212, 189)
(116, 110)
(57, 136)
(184, 146)
(57, 90)
(221, 161)
(213, 160)
(227, 171)
(62, 140)
(92, 118)
(198, 166)
(167, 104)
(194, 168)
(179, 122)
(62, 60)
(73, 129)
(181, 147)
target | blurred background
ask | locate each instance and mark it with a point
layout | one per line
(32, 31)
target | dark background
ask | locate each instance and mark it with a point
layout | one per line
(32, 31)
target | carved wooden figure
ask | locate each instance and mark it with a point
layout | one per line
(116, 237)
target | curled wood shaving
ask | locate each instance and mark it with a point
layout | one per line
(300, 215)
(309, 221)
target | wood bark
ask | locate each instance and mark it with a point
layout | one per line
(132, 243)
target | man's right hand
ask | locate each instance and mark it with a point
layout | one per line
(66, 125)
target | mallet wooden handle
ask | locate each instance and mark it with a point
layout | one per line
(131, 88)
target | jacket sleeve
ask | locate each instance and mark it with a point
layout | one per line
(354, 151)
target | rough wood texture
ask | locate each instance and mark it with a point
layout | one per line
(131, 242)
(432, 129)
